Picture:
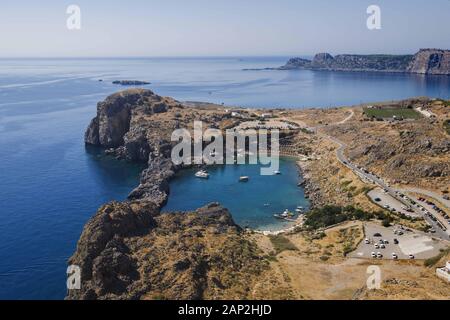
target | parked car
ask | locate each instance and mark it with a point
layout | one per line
(411, 256)
(395, 241)
(377, 235)
(394, 256)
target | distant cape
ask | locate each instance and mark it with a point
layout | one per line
(426, 61)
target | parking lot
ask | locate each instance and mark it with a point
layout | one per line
(388, 202)
(436, 213)
(417, 244)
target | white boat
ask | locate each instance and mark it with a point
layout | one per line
(244, 179)
(287, 213)
(203, 174)
(277, 172)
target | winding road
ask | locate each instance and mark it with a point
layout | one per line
(369, 177)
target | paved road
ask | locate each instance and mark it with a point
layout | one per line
(386, 199)
(429, 193)
(371, 178)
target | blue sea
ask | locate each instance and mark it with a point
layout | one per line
(252, 204)
(51, 184)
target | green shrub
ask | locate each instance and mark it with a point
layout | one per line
(330, 215)
(386, 223)
(281, 243)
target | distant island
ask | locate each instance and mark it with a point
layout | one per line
(426, 61)
(130, 82)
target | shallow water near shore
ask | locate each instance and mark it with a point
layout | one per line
(252, 204)
(50, 184)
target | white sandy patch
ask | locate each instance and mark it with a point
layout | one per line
(414, 244)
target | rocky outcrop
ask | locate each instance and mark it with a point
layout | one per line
(113, 118)
(131, 82)
(131, 251)
(322, 61)
(426, 61)
(431, 61)
(296, 63)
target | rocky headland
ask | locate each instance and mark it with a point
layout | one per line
(130, 250)
(426, 61)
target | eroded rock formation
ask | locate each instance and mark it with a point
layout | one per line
(426, 61)
(130, 251)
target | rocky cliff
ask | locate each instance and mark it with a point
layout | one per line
(431, 61)
(426, 61)
(130, 251)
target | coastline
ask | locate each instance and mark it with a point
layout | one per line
(122, 237)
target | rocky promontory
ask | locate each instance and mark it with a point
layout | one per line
(426, 61)
(129, 250)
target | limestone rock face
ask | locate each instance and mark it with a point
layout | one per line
(431, 61)
(296, 63)
(136, 145)
(131, 251)
(322, 60)
(426, 61)
(113, 118)
(92, 133)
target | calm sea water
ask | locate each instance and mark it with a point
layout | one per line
(50, 184)
(252, 203)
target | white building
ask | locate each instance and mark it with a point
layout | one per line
(266, 115)
(444, 272)
(426, 113)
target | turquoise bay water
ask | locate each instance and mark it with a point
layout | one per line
(50, 184)
(246, 201)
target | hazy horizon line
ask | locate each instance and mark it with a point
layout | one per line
(192, 56)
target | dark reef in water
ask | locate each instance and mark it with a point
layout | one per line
(131, 82)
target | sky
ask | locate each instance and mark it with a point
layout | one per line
(220, 27)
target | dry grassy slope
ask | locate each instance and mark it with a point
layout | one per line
(410, 152)
(130, 251)
(305, 274)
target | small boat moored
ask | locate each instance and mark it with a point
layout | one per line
(286, 215)
(202, 174)
(277, 172)
(244, 179)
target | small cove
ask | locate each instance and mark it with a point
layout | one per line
(252, 204)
